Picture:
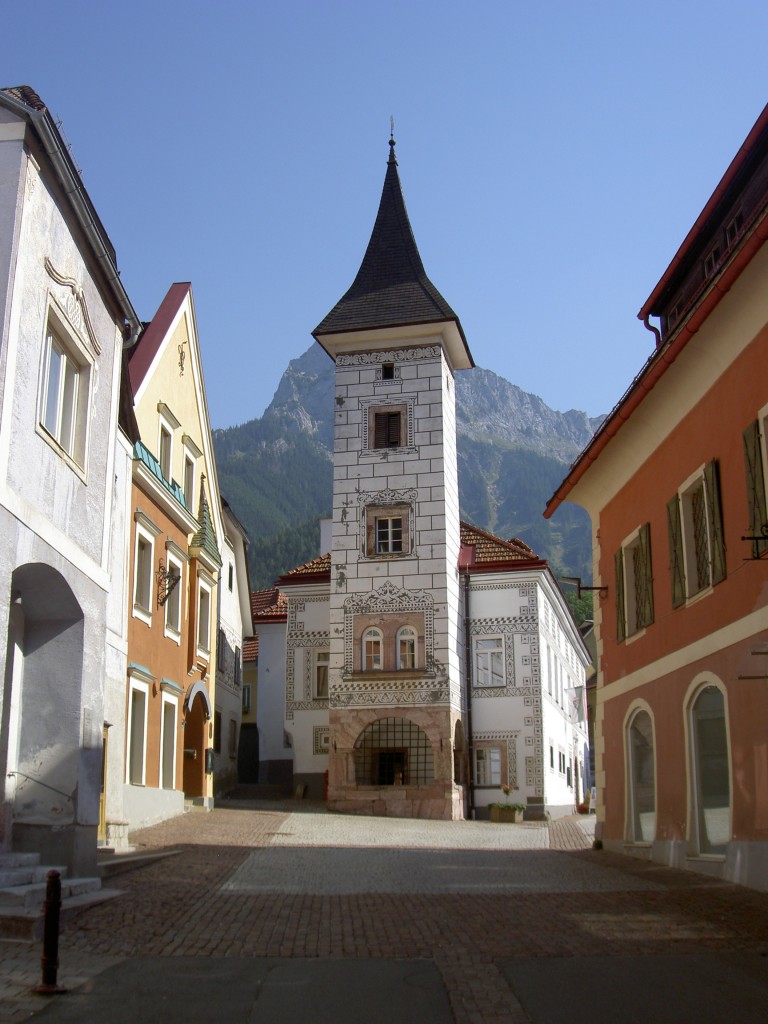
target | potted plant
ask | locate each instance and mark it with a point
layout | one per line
(504, 811)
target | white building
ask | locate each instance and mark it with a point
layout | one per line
(63, 318)
(379, 690)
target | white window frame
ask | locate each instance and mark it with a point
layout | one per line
(246, 701)
(487, 766)
(191, 454)
(77, 364)
(407, 633)
(172, 629)
(372, 633)
(136, 687)
(321, 658)
(204, 586)
(147, 533)
(630, 546)
(172, 702)
(484, 677)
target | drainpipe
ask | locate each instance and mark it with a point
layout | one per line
(468, 657)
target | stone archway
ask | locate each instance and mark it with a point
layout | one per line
(41, 728)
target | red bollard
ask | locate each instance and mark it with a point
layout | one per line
(50, 958)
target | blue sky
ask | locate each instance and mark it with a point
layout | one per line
(553, 156)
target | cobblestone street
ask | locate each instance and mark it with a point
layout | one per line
(472, 898)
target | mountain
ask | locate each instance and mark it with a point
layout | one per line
(513, 451)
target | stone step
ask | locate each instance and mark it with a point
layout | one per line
(26, 874)
(18, 860)
(33, 894)
(26, 923)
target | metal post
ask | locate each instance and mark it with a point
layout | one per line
(50, 958)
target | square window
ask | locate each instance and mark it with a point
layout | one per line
(387, 530)
(320, 675)
(389, 535)
(64, 400)
(488, 766)
(489, 661)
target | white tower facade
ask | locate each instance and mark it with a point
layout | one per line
(395, 671)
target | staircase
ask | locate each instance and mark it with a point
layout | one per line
(22, 893)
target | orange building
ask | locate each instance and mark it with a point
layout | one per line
(175, 563)
(675, 483)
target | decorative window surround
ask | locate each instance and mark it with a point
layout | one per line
(506, 743)
(402, 404)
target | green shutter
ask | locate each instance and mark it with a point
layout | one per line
(758, 515)
(621, 619)
(645, 611)
(676, 563)
(715, 514)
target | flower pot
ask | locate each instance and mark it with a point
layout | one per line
(500, 813)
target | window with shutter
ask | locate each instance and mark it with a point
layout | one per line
(676, 563)
(634, 584)
(387, 430)
(756, 497)
(697, 541)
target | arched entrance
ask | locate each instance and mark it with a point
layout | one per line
(40, 732)
(198, 714)
(393, 752)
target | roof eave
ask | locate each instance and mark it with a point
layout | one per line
(449, 333)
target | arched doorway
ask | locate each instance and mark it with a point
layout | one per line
(393, 752)
(40, 732)
(198, 714)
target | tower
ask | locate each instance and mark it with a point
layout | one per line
(395, 671)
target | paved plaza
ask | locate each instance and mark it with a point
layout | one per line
(272, 913)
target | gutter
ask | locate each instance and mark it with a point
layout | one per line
(470, 744)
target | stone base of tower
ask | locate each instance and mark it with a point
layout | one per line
(394, 762)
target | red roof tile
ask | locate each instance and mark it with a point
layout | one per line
(317, 569)
(480, 549)
(268, 604)
(251, 649)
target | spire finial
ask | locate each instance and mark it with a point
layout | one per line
(392, 139)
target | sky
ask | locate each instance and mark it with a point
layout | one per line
(553, 156)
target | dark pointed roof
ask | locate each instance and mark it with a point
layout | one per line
(391, 288)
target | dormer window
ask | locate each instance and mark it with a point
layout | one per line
(733, 229)
(711, 261)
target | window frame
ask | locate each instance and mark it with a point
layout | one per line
(321, 659)
(372, 633)
(633, 565)
(685, 535)
(203, 586)
(168, 700)
(407, 632)
(57, 334)
(373, 515)
(175, 599)
(478, 671)
(756, 468)
(246, 699)
(146, 532)
(136, 687)
(492, 757)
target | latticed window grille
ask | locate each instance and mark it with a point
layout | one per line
(393, 752)
(700, 537)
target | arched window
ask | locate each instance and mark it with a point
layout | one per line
(642, 778)
(406, 648)
(711, 781)
(372, 641)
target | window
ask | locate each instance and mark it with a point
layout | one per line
(137, 734)
(561, 761)
(168, 744)
(320, 674)
(551, 757)
(642, 785)
(238, 667)
(144, 567)
(733, 229)
(488, 766)
(711, 261)
(489, 661)
(711, 774)
(173, 600)
(388, 371)
(406, 648)
(217, 731)
(387, 530)
(221, 647)
(189, 481)
(755, 459)
(372, 644)
(164, 447)
(203, 618)
(696, 541)
(634, 584)
(64, 400)
(246, 698)
(231, 575)
(387, 429)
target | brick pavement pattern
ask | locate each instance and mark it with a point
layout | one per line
(485, 894)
